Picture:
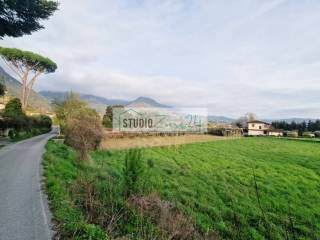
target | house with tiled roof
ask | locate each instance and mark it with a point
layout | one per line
(260, 128)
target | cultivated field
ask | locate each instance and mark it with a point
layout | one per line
(250, 188)
(154, 141)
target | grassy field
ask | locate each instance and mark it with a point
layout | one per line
(251, 188)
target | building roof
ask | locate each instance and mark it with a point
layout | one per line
(257, 121)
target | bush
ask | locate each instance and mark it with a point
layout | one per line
(42, 121)
(70, 106)
(13, 108)
(217, 132)
(132, 171)
(13, 115)
(12, 133)
(308, 135)
(317, 134)
(83, 131)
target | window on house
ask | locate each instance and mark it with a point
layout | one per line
(252, 125)
(260, 127)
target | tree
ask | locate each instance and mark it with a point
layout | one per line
(83, 131)
(25, 63)
(242, 121)
(13, 108)
(107, 120)
(19, 17)
(71, 105)
(107, 117)
(42, 122)
(45, 121)
(14, 115)
(80, 124)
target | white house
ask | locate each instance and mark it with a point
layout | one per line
(260, 128)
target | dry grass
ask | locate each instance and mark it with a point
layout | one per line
(152, 141)
(173, 224)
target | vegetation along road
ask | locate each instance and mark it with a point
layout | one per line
(23, 208)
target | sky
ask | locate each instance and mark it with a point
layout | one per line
(232, 57)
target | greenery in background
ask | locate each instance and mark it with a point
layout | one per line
(107, 120)
(302, 127)
(13, 108)
(261, 188)
(23, 126)
(23, 17)
(107, 117)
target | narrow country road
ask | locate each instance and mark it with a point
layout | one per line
(24, 213)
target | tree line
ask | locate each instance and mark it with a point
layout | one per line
(22, 126)
(305, 126)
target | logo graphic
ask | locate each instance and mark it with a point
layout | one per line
(141, 119)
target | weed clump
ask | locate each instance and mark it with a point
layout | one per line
(132, 171)
(172, 223)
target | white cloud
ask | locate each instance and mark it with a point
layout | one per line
(236, 57)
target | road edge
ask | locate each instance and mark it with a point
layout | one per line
(44, 200)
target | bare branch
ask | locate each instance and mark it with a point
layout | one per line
(12, 68)
(33, 79)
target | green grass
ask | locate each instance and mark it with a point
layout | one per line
(302, 139)
(253, 188)
(61, 170)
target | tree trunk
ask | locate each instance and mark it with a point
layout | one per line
(28, 88)
(23, 89)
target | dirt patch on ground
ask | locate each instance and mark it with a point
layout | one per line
(153, 141)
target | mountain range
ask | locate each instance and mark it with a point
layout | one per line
(100, 103)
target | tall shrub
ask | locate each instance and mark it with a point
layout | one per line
(83, 131)
(14, 115)
(70, 106)
(132, 171)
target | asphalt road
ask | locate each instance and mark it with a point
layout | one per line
(24, 211)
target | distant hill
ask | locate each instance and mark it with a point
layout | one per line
(100, 103)
(13, 86)
(220, 119)
(146, 102)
